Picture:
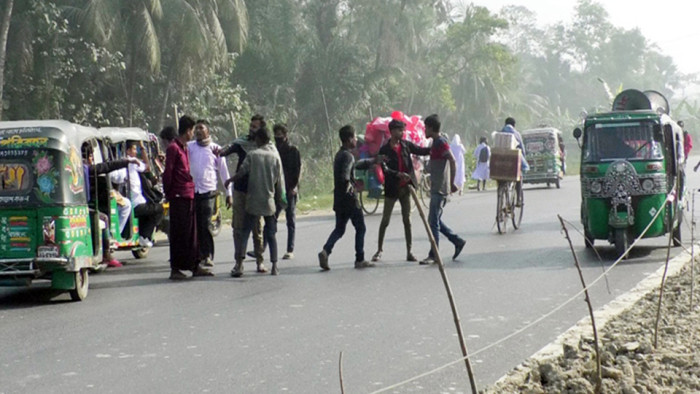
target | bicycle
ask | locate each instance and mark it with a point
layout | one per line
(509, 204)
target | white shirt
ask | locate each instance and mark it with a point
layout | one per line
(137, 197)
(204, 165)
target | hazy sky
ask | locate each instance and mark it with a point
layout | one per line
(672, 24)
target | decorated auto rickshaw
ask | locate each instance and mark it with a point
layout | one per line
(632, 174)
(48, 229)
(543, 156)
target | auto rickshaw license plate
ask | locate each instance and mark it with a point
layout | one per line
(49, 251)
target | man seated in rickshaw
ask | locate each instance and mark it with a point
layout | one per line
(148, 212)
(91, 170)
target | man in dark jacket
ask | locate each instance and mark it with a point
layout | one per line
(398, 175)
(345, 200)
(291, 164)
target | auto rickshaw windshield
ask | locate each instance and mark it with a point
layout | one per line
(614, 141)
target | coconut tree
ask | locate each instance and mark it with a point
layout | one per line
(4, 31)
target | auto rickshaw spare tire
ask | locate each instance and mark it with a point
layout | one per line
(141, 252)
(82, 283)
(621, 241)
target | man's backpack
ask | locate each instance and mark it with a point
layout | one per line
(484, 154)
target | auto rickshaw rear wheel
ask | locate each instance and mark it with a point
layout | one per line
(677, 235)
(588, 239)
(81, 285)
(140, 253)
(557, 183)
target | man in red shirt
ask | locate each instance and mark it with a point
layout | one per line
(178, 186)
(399, 173)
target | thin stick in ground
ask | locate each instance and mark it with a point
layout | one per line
(599, 376)
(448, 289)
(661, 290)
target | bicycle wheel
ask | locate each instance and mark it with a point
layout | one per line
(368, 204)
(424, 190)
(517, 203)
(502, 207)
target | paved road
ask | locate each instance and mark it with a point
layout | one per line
(139, 332)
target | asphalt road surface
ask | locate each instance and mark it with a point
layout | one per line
(138, 332)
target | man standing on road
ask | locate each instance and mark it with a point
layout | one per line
(242, 147)
(204, 168)
(399, 174)
(442, 178)
(149, 213)
(345, 200)
(265, 194)
(291, 164)
(179, 190)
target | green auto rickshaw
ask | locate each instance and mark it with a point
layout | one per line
(543, 155)
(632, 172)
(49, 230)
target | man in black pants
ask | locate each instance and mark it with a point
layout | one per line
(291, 164)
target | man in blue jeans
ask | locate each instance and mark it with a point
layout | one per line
(345, 200)
(442, 177)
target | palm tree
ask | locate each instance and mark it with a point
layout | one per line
(199, 32)
(4, 31)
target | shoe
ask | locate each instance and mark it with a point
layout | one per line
(199, 271)
(114, 263)
(237, 270)
(377, 256)
(261, 268)
(177, 275)
(458, 249)
(207, 263)
(288, 256)
(427, 261)
(274, 271)
(145, 242)
(411, 257)
(250, 254)
(363, 264)
(323, 260)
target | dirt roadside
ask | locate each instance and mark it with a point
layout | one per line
(630, 363)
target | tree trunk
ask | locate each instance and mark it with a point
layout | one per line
(4, 31)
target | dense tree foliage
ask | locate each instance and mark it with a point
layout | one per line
(317, 64)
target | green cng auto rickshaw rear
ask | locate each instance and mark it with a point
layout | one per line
(632, 178)
(543, 156)
(48, 230)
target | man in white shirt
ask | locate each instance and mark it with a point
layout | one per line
(149, 213)
(204, 166)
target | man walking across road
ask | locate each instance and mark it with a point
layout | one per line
(179, 190)
(291, 164)
(204, 168)
(399, 174)
(345, 200)
(442, 177)
(265, 194)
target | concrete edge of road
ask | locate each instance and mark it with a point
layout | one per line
(602, 315)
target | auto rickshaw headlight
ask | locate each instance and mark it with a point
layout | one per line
(647, 185)
(596, 187)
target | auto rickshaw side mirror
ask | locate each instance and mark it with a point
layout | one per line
(577, 133)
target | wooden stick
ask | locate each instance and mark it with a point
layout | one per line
(661, 290)
(692, 252)
(340, 372)
(599, 375)
(448, 289)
